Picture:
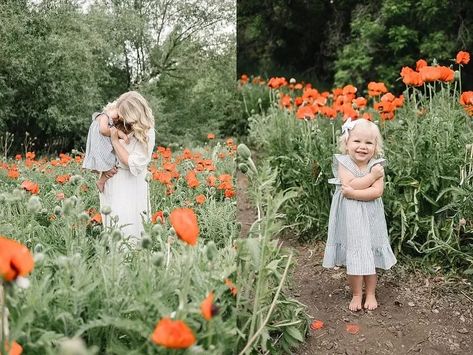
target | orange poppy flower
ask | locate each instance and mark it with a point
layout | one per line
(15, 348)
(463, 57)
(62, 179)
(30, 186)
(231, 286)
(429, 73)
(420, 64)
(208, 308)
(210, 136)
(184, 222)
(376, 89)
(30, 155)
(157, 216)
(96, 218)
(18, 157)
(305, 112)
(173, 334)
(352, 328)
(13, 174)
(200, 199)
(15, 259)
(285, 101)
(466, 98)
(316, 324)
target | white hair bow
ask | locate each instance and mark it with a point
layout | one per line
(348, 125)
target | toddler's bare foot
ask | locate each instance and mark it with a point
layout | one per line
(355, 304)
(370, 302)
(100, 185)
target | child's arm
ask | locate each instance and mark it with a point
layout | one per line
(104, 129)
(369, 194)
(360, 183)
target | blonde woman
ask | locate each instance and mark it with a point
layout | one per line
(357, 232)
(127, 194)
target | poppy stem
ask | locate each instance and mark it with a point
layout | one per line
(3, 320)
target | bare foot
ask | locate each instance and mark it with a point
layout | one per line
(370, 302)
(100, 185)
(355, 304)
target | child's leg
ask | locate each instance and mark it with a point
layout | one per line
(356, 285)
(370, 283)
(101, 181)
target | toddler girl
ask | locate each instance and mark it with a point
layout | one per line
(357, 232)
(99, 154)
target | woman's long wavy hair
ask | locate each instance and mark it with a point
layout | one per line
(134, 110)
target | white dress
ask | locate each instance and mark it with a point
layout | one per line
(127, 192)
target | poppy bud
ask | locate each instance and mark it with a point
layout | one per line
(158, 259)
(172, 231)
(18, 194)
(243, 151)
(149, 176)
(146, 242)
(106, 210)
(462, 222)
(456, 76)
(34, 204)
(68, 206)
(83, 217)
(211, 250)
(117, 235)
(75, 179)
(38, 258)
(57, 210)
(74, 346)
(292, 81)
(243, 168)
(38, 248)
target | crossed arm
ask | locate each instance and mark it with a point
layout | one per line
(366, 188)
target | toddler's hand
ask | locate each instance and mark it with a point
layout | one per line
(123, 136)
(377, 171)
(347, 191)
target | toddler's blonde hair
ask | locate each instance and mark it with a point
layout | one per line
(362, 123)
(135, 111)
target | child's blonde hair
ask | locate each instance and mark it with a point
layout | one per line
(135, 111)
(361, 123)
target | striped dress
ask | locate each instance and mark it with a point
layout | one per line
(357, 232)
(99, 155)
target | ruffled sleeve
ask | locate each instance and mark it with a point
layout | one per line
(373, 162)
(140, 157)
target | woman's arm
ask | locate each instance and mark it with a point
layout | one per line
(360, 183)
(369, 194)
(104, 129)
(120, 151)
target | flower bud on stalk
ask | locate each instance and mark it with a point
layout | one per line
(34, 204)
(243, 151)
(106, 210)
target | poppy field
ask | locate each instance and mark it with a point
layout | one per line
(192, 285)
(428, 145)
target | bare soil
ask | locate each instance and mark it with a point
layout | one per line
(417, 313)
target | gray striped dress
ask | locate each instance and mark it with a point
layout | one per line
(99, 155)
(357, 232)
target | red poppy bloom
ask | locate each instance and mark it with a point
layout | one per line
(463, 57)
(200, 199)
(184, 222)
(15, 259)
(231, 286)
(466, 98)
(208, 308)
(305, 112)
(15, 348)
(173, 334)
(420, 64)
(210, 136)
(157, 216)
(30, 186)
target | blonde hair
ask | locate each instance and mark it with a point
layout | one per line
(362, 123)
(135, 111)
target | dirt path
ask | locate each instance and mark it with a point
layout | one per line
(416, 315)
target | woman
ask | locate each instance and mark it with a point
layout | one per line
(127, 193)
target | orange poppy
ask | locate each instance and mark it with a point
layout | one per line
(13, 173)
(30, 186)
(210, 136)
(62, 179)
(208, 308)
(429, 73)
(200, 199)
(352, 328)
(15, 259)
(231, 286)
(157, 216)
(466, 98)
(96, 218)
(316, 324)
(420, 64)
(305, 112)
(446, 74)
(463, 57)
(184, 222)
(18, 157)
(173, 334)
(15, 349)
(30, 155)
(376, 89)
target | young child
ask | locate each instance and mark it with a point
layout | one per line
(357, 232)
(99, 154)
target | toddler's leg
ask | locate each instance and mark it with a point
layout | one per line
(101, 181)
(370, 283)
(356, 285)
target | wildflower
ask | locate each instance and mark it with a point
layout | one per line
(30, 186)
(34, 204)
(184, 222)
(200, 199)
(157, 216)
(210, 136)
(15, 348)
(208, 308)
(420, 64)
(15, 259)
(463, 57)
(231, 286)
(173, 334)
